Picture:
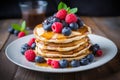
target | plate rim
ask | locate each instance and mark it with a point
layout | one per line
(60, 70)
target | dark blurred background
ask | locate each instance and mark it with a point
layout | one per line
(11, 9)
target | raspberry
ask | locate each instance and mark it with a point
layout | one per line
(31, 41)
(99, 53)
(49, 61)
(30, 55)
(61, 14)
(21, 34)
(70, 18)
(57, 27)
(55, 64)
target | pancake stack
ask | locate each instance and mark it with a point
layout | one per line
(56, 46)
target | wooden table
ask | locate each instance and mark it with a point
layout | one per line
(105, 26)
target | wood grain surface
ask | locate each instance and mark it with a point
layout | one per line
(105, 26)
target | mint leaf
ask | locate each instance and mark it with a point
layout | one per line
(16, 27)
(68, 9)
(62, 5)
(23, 25)
(73, 10)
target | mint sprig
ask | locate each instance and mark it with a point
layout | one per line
(62, 5)
(19, 27)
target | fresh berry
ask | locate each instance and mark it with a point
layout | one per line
(22, 51)
(55, 64)
(21, 34)
(33, 45)
(11, 30)
(63, 63)
(16, 32)
(24, 48)
(49, 61)
(94, 46)
(73, 26)
(90, 57)
(30, 55)
(39, 59)
(55, 20)
(80, 22)
(97, 46)
(66, 31)
(57, 27)
(61, 14)
(75, 63)
(84, 61)
(99, 53)
(31, 41)
(64, 23)
(47, 27)
(70, 18)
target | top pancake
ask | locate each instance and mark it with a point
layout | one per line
(49, 36)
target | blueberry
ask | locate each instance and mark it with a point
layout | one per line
(73, 26)
(33, 45)
(94, 47)
(11, 30)
(24, 47)
(94, 50)
(47, 27)
(84, 61)
(39, 59)
(80, 22)
(63, 63)
(64, 23)
(75, 63)
(97, 46)
(55, 20)
(22, 51)
(90, 57)
(66, 31)
(16, 32)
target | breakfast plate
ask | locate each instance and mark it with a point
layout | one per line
(108, 47)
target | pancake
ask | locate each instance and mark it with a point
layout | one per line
(56, 46)
(60, 38)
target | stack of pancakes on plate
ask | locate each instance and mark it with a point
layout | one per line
(56, 46)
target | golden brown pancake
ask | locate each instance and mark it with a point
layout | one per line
(56, 46)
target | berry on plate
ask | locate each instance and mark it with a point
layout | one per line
(31, 41)
(99, 53)
(66, 31)
(84, 61)
(90, 57)
(21, 34)
(70, 18)
(75, 63)
(61, 14)
(39, 59)
(33, 45)
(57, 27)
(55, 64)
(63, 63)
(30, 55)
(24, 48)
(49, 61)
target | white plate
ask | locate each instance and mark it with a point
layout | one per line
(109, 51)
